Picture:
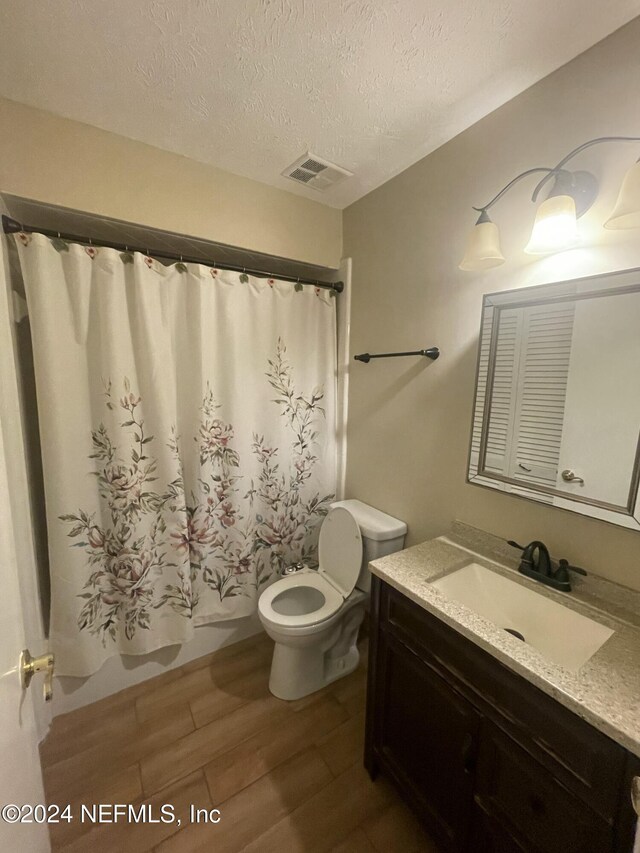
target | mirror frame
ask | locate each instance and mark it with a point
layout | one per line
(589, 287)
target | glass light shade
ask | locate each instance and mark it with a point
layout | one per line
(483, 248)
(626, 213)
(556, 226)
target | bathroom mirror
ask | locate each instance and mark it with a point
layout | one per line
(557, 404)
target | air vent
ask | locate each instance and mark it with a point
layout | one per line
(313, 165)
(315, 172)
(301, 175)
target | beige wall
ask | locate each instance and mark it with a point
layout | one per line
(63, 162)
(409, 419)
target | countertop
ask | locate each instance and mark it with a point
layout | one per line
(605, 691)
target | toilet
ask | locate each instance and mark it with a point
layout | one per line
(314, 616)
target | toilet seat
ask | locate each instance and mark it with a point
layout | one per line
(333, 600)
(340, 556)
(340, 550)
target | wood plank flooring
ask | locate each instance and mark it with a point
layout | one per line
(284, 775)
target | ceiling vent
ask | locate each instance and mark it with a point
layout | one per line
(315, 172)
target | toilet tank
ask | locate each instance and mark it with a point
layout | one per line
(381, 535)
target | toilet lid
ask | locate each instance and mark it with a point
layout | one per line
(340, 550)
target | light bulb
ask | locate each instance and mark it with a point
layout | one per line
(555, 227)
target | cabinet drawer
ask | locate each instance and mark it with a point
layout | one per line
(586, 761)
(488, 836)
(526, 797)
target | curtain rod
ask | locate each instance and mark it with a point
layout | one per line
(12, 226)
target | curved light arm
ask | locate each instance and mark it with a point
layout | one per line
(577, 150)
(555, 171)
(508, 186)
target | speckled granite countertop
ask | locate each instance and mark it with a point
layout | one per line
(605, 691)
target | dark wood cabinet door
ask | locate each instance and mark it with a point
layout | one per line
(523, 796)
(427, 737)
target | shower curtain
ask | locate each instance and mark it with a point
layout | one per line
(187, 420)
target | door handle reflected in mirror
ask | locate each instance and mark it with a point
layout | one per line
(570, 476)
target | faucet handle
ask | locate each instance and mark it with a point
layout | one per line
(562, 572)
(571, 568)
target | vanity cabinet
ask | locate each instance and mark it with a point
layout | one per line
(418, 755)
(488, 762)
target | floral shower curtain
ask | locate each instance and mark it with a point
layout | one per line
(187, 420)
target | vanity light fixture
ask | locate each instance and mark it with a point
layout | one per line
(626, 213)
(556, 223)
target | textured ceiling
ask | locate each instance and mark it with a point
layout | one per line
(250, 85)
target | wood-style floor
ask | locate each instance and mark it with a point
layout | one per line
(286, 776)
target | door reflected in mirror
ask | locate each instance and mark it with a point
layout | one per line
(557, 408)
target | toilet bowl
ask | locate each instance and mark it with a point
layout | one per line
(314, 616)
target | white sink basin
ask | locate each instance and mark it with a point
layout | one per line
(560, 634)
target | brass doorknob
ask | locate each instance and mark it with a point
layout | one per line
(30, 665)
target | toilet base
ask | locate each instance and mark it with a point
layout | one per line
(306, 661)
(297, 672)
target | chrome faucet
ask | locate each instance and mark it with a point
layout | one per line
(537, 564)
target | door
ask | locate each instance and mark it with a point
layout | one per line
(20, 617)
(602, 411)
(427, 739)
(20, 775)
